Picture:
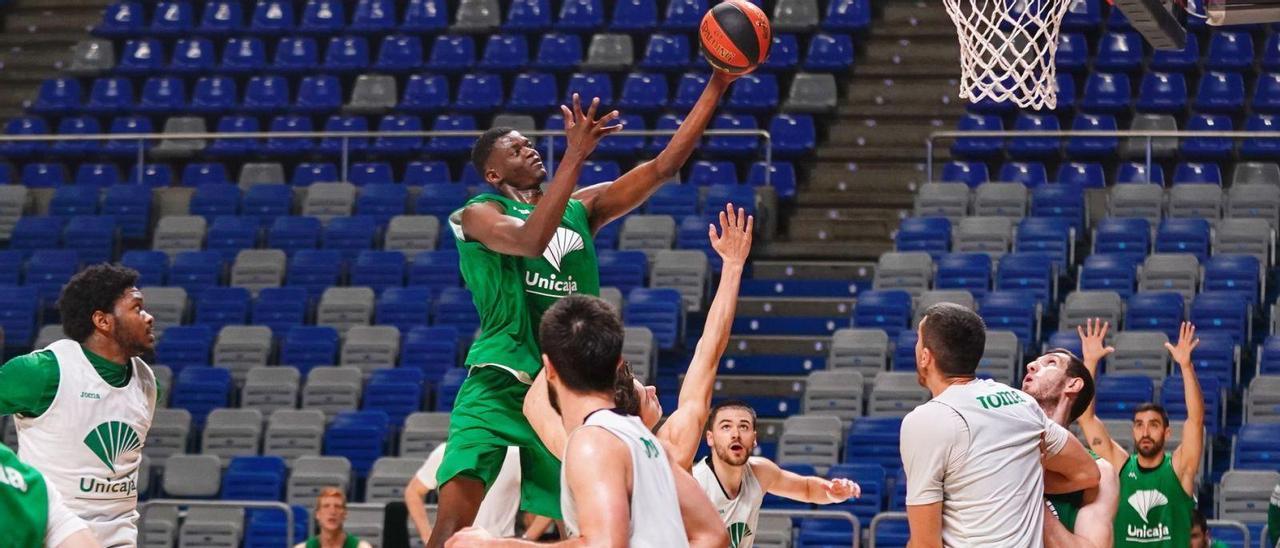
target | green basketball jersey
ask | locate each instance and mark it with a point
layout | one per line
(24, 502)
(511, 293)
(1154, 509)
(1067, 505)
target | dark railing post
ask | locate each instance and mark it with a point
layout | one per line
(345, 157)
(1149, 165)
(142, 159)
(928, 159)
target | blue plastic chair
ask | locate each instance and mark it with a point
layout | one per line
(314, 270)
(280, 308)
(272, 17)
(296, 55)
(1119, 395)
(57, 96)
(634, 16)
(349, 235)
(214, 199)
(290, 147)
(292, 234)
(370, 173)
(152, 266)
(1220, 92)
(754, 93)
(346, 54)
(452, 54)
(213, 95)
(1194, 172)
(971, 174)
(1233, 273)
(1212, 381)
(322, 17)
(1207, 148)
(196, 271)
(1184, 236)
(929, 234)
(625, 270)
(1028, 272)
(580, 16)
(1046, 236)
(110, 96)
(1229, 51)
(1215, 358)
(131, 209)
(1073, 52)
(222, 306)
(306, 173)
(1266, 96)
(204, 174)
(1119, 52)
(454, 307)
(74, 125)
(784, 54)
(782, 176)
(396, 392)
(32, 125)
(93, 238)
(379, 16)
(1225, 312)
(829, 53)
(399, 53)
(732, 146)
(968, 271)
(141, 56)
(1092, 147)
(1126, 236)
(1109, 272)
(1136, 172)
(505, 53)
(380, 270)
(434, 269)
(451, 146)
(1260, 148)
(230, 234)
(398, 145)
(683, 15)
(1256, 447)
(266, 94)
(1155, 311)
(193, 56)
(305, 347)
(121, 18)
(221, 17)
(342, 122)
(688, 89)
(666, 52)
(200, 390)
(425, 93)
(623, 144)
(978, 147)
(478, 93)
(161, 95)
(889, 310)
(660, 310)
(1014, 311)
(185, 345)
(528, 16)
(358, 436)
(18, 310)
(235, 147)
(381, 201)
(847, 15)
(408, 309)
(1081, 175)
(255, 478)
(1106, 93)
(1162, 93)
(1183, 60)
(421, 172)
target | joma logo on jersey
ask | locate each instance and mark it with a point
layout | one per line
(1000, 399)
(110, 440)
(90, 396)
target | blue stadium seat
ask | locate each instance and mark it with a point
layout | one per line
(580, 16)
(244, 56)
(1225, 312)
(1137, 172)
(968, 271)
(1120, 51)
(255, 478)
(904, 351)
(889, 310)
(358, 436)
(378, 269)
(1106, 93)
(314, 270)
(1092, 147)
(588, 86)
(192, 56)
(24, 125)
(349, 235)
(479, 93)
(717, 197)
(624, 144)
(1173, 397)
(399, 53)
(598, 172)
(222, 306)
(1162, 92)
(1194, 172)
(1073, 52)
(1184, 236)
(708, 173)
(296, 55)
(1119, 395)
(452, 54)
(1126, 236)
(1046, 237)
(132, 209)
(124, 125)
(205, 173)
(71, 125)
(1257, 447)
(93, 238)
(200, 390)
(754, 93)
(425, 93)
(212, 200)
(290, 147)
(978, 147)
(196, 271)
(1269, 359)
(379, 16)
(306, 346)
(221, 17)
(666, 52)
(847, 15)
(931, 234)
(1154, 311)
(675, 200)
(1229, 51)
(100, 175)
(528, 16)
(1014, 311)
(382, 201)
(346, 54)
(505, 53)
(451, 146)
(1260, 148)
(1083, 15)
(225, 147)
(829, 53)
(57, 96)
(421, 172)
(1064, 200)
(344, 122)
(18, 313)
(396, 392)
(732, 146)
(322, 17)
(11, 270)
(447, 389)
(1216, 357)
(43, 175)
(393, 146)
(440, 199)
(969, 173)
(1271, 53)
(266, 94)
(1183, 60)
(1110, 272)
(683, 15)
(1266, 95)
(280, 308)
(405, 308)
(213, 95)
(291, 234)
(1220, 92)
(784, 54)
(264, 203)
(121, 18)
(625, 270)
(643, 92)
(229, 234)
(792, 135)
(74, 200)
(141, 56)
(110, 96)
(1207, 148)
(435, 269)
(1233, 274)
(455, 308)
(271, 18)
(152, 266)
(877, 441)
(660, 310)
(185, 345)
(634, 16)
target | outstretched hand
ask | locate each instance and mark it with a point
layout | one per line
(584, 131)
(1187, 342)
(841, 489)
(734, 242)
(1093, 336)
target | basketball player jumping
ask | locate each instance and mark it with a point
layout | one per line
(83, 405)
(1062, 385)
(620, 486)
(1157, 488)
(520, 251)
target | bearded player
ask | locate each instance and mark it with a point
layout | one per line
(1157, 488)
(1064, 388)
(521, 251)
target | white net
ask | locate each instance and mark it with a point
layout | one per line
(1007, 49)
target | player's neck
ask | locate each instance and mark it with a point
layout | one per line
(106, 348)
(937, 385)
(730, 476)
(529, 196)
(1059, 411)
(1152, 462)
(332, 537)
(574, 408)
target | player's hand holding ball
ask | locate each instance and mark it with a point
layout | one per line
(842, 489)
(735, 36)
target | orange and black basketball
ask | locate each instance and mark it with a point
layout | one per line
(735, 36)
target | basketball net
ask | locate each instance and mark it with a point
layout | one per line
(1007, 49)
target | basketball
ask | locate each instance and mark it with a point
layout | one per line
(735, 36)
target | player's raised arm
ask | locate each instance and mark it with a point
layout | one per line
(1186, 458)
(812, 489)
(611, 200)
(1092, 341)
(604, 499)
(486, 223)
(684, 428)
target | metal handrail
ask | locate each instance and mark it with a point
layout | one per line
(823, 514)
(883, 516)
(274, 505)
(1148, 135)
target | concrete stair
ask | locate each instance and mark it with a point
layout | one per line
(36, 44)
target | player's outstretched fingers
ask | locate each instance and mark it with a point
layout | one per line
(577, 107)
(568, 117)
(591, 111)
(751, 224)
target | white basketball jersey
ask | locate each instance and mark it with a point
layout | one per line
(88, 444)
(655, 509)
(740, 513)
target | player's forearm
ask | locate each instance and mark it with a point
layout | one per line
(1097, 437)
(815, 490)
(1193, 394)
(699, 380)
(1070, 470)
(418, 514)
(545, 421)
(541, 224)
(689, 134)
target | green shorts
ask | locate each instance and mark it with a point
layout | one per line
(488, 417)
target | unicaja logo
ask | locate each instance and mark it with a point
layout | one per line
(1143, 502)
(738, 532)
(564, 242)
(110, 439)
